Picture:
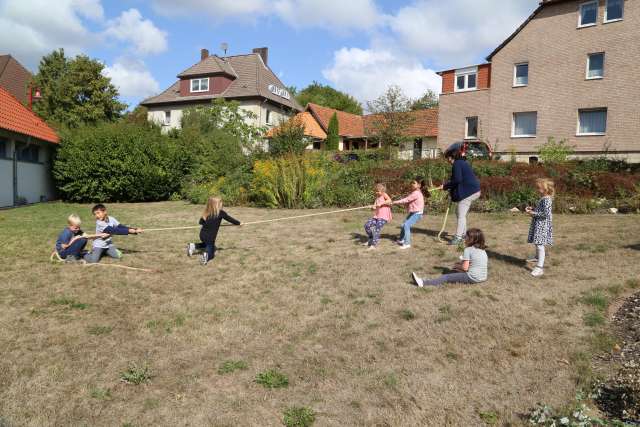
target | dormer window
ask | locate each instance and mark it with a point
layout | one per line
(200, 85)
(466, 79)
(588, 14)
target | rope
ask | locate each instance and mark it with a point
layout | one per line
(444, 223)
(55, 257)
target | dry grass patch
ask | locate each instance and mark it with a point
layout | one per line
(357, 343)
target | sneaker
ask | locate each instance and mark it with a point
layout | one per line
(204, 258)
(532, 260)
(365, 244)
(400, 242)
(119, 252)
(191, 248)
(537, 272)
(371, 248)
(418, 281)
(456, 241)
(403, 246)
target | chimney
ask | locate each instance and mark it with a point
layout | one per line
(204, 54)
(263, 52)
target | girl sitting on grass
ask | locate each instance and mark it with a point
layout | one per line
(210, 221)
(415, 205)
(473, 265)
(382, 215)
(541, 230)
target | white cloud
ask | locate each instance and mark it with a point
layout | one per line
(333, 15)
(132, 78)
(30, 29)
(457, 32)
(145, 37)
(367, 73)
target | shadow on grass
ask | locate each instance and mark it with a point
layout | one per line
(506, 258)
(359, 238)
(635, 247)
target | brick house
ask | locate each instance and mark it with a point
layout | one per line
(243, 78)
(356, 132)
(567, 72)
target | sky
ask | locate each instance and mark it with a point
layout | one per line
(358, 46)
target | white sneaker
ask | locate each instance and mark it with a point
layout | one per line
(191, 248)
(537, 272)
(204, 258)
(365, 244)
(417, 280)
(403, 246)
(371, 248)
(400, 242)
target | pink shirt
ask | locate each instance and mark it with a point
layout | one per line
(414, 202)
(382, 212)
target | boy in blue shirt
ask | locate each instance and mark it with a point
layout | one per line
(107, 226)
(72, 241)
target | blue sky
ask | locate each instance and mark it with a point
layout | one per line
(359, 46)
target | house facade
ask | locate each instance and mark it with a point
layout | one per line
(566, 73)
(246, 79)
(27, 146)
(357, 132)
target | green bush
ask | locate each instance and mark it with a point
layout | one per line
(118, 162)
(553, 151)
(299, 417)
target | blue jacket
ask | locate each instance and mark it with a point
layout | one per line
(463, 182)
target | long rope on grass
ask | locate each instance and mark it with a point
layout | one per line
(269, 220)
(444, 223)
(55, 257)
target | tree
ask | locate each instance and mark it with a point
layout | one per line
(390, 118)
(137, 116)
(75, 92)
(426, 101)
(333, 137)
(288, 137)
(329, 97)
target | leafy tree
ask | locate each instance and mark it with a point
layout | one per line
(553, 152)
(288, 138)
(327, 96)
(137, 116)
(75, 92)
(333, 137)
(390, 119)
(426, 101)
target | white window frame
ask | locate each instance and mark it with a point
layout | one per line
(466, 127)
(166, 120)
(513, 125)
(267, 116)
(199, 80)
(582, 6)
(606, 13)
(465, 72)
(606, 122)
(515, 76)
(604, 58)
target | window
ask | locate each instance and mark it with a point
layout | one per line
(588, 14)
(614, 11)
(28, 153)
(268, 119)
(4, 148)
(466, 79)
(595, 66)
(525, 125)
(471, 128)
(521, 74)
(200, 85)
(167, 118)
(592, 122)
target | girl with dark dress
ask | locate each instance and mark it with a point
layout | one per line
(210, 221)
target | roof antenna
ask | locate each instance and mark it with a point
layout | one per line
(224, 46)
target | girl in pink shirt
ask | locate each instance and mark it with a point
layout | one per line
(382, 215)
(415, 206)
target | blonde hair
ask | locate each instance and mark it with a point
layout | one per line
(74, 219)
(212, 208)
(381, 187)
(547, 185)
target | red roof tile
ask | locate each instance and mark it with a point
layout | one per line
(17, 118)
(349, 125)
(14, 77)
(425, 123)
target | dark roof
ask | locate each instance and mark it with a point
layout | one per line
(15, 117)
(542, 4)
(251, 79)
(14, 77)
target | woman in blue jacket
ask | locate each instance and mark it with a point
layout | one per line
(463, 187)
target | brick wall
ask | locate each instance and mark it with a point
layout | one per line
(217, 84)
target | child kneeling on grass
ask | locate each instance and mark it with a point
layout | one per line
(473, 265)
(210, 221)
(72, 241)
(107, 226)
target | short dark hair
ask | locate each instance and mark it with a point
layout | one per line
(98, 207)
(475, 238)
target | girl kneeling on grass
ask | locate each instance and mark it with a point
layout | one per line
(210, 221)
(541, 230)
(382, 215)
(415, 206)
(473, 265)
